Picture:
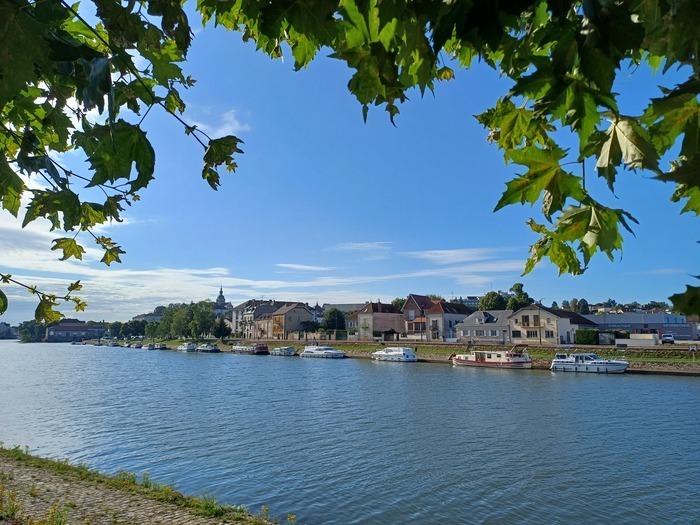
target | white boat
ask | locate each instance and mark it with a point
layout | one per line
(283, 350)
(187, 347)
(208, 348)
(395, 353)
(321, 351)
(587, 362)
(496, 358)
(148, 346)
(255, 349)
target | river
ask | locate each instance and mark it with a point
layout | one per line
(353, 441)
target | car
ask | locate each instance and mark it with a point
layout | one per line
(667, 338)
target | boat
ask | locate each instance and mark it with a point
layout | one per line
(148, 346)
(587, 362)
(283, 350)
(321, 351)
(187, 347)
(497, 358)
(208, 348)
(395, 353)
(256, 349)
(161, 346)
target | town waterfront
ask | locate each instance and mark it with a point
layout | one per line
(356, 441)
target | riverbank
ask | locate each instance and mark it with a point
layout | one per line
(38, 491)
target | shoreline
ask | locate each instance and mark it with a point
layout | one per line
(40, 491)
(641, 368)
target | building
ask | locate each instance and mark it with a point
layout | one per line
(375, 318)
(443, 317)
(535, 324)
(485, 326)
(68, 330)
(414, 314)
(647, 323)
(289, 318)
(256, 319)
(221, 307)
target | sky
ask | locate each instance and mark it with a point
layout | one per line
(327, 208)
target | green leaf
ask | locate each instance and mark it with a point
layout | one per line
(220, 152)
(112, 255)
(45, 313)
(112, 150)
(545, 175)
(74, 287)
(70, 248)
(687, 302)
(3, 302)
(11, 187)
(625, 140)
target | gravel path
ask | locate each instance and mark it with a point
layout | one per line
(39, 490)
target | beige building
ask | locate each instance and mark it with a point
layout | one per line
(289, 318)
(374, 318)
(535, 324)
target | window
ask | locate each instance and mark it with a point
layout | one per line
(479, 333)
(525, 320)
(535, 320)
(411, 315)
(516, 334)
(465, 333)
(493, 333)
(549, 334)
(532, 334)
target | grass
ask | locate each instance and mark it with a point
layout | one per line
(205, 505)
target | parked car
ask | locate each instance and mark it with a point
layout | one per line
(667, 338)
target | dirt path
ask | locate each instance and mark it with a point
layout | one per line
(38, 490)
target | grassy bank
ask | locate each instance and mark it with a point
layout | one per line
(39, 491)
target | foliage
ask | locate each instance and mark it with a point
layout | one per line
(333, 319)
(310, 326)
(562, 59)
(519, 299)
(202, 318)
(492, 301)
(398, 303)
(221, 328)
(586, 337)
(151, 329)
(31, 332)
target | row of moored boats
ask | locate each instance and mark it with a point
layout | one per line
(513, 358)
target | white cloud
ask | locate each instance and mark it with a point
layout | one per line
(305, 268)
(226, 123)
(371, 251)
(461, 255)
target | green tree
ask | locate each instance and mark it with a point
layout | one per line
(554, 306)
(573, 305)
(115, 329)
(151, 329)
(333, 319)
(180, 325)
(565, 305)
(202, 318)
(583, 307)
(398, 303)
(310, 326)
(221, 328)
(492, 301)
(519, 299)
(31, 332)
(562, 59)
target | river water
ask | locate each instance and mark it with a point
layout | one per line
(353, 441)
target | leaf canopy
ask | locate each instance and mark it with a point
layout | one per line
(562, 58)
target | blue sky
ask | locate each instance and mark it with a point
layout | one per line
(327, 208)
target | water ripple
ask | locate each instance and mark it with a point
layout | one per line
(358, 442)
